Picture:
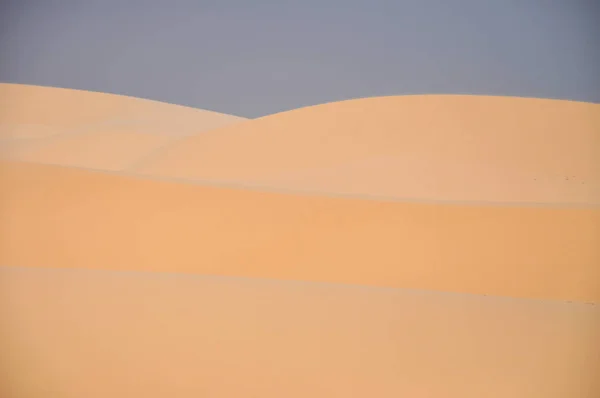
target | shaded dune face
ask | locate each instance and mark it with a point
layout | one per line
(460, 148)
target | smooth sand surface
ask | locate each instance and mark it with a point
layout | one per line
(75, 323)
(100, 148)
(432, 147)
(89, 129)
(10, 132)
(22, 104)
(72, 334)
(92, 130)
(64, 217)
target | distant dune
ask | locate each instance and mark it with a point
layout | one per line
(93, 130)
(461, 148)
(59, 107)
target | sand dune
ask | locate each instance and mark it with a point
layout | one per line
(110, 334)
(27, 131)
(104, 149)
(426, 147)
(48, 106)
(93, 130)
(82, 219)
(228, 303)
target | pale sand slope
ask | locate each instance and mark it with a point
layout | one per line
(438, 147)
(107, 148)
(65, 217)
(48, 106)
(73, 334)
(89, 129)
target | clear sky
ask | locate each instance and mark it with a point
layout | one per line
(257, 57)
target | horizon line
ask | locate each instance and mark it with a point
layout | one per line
(357, 98)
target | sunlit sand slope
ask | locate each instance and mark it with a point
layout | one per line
(93, 130)
(65, 217)
(109, 334)
(449, 147)
(100, 148)
(65, 108)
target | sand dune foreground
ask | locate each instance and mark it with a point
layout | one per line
(81, 333)
(153, 250)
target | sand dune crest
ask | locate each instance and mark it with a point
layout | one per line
(26, 104)
(93, 130)
(461, 148)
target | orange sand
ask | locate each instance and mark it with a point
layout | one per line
(48, 106)
(95, 130)
(81, 219)
(76, 324)
(73, 334)
(104, 149)
(426, 147)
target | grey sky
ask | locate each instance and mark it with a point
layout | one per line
(253, 58)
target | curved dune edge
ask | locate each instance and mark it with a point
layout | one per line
(461, 148)
(69, 218)
(90, 129)
(29, 104)
(147, 335)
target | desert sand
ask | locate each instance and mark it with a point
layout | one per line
(94, 130)
(22, 104)
(82, 219)
(431, 246)
(446, 147)
(80, 333)
(103, 149)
